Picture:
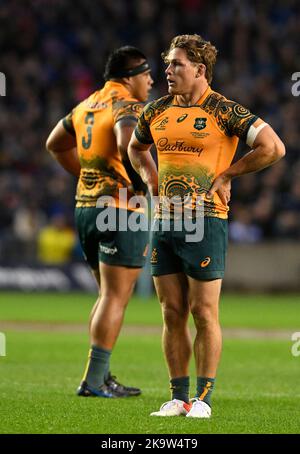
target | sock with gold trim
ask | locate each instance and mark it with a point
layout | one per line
(97, 365)
(180, 388)
(205, 387)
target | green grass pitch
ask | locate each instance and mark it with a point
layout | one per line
(257, 389)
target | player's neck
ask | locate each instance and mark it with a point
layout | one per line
(190, 99)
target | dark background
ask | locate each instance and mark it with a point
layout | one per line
(53, 53)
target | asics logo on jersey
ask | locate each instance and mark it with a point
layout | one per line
(200, 123)
(183, 117)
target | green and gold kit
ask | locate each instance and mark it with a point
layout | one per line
(92, 121)
(194, 145)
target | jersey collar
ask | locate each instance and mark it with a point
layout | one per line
(110, 85)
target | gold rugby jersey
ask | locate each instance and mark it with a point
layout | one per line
(194, 145)
(92, 122)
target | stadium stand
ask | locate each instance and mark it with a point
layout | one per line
(52, 54)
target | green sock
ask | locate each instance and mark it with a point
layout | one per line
(180, 388)
(205, 388)
(97, 365)
(107, 371)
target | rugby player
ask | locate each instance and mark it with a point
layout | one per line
(91, 143)
(196, 132)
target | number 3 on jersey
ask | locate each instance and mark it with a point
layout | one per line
(89, 121)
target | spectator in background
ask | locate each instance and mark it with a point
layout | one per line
(287, 225)
(27, 225)
(242, 229)
(56, 242)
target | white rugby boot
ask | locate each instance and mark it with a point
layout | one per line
(199, 409)
(173, 407)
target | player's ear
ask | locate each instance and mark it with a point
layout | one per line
(126, 80)
(201, 70)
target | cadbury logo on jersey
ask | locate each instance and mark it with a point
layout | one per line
(200, 123)
(163, 145)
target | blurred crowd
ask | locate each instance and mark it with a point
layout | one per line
(53, 53)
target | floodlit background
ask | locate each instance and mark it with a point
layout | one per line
(52, 53)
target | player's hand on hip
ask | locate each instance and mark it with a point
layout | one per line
(222, 186)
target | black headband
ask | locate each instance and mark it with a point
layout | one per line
(132, 72)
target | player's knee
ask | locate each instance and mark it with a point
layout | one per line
(174, 316)
(117, 293)
(203, 316)
(115, 300)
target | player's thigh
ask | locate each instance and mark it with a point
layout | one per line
(118, 281)
(204, 297)
(172, 291)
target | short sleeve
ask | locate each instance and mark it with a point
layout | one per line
(235, 119)
(122, 109)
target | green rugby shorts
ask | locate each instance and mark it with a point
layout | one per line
(201, 260)
(113, 247)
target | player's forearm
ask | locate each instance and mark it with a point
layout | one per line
(257, 159)
(68, 159)
(135, 178)
(144, 165)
